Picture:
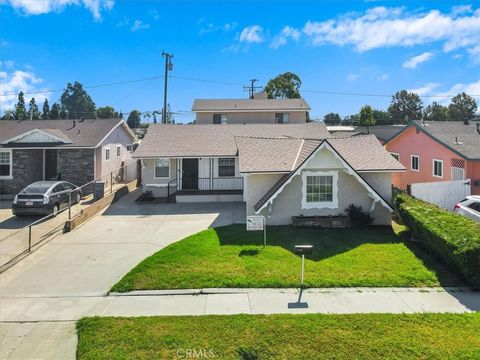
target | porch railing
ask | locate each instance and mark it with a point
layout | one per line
(216, 183)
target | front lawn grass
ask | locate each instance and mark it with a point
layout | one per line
(232, 257)
(310, 336)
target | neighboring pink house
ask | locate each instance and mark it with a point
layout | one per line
(437, 151)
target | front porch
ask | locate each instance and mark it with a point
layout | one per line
(193, 179)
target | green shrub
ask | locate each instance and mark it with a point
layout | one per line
(358, 217)
(452, 238)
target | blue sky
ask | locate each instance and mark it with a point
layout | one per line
(372, 47)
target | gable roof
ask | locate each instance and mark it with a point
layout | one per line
(363, 153)
(284, 180)
(215, 140)
(461, 138)
(86, 133)
(206, 105)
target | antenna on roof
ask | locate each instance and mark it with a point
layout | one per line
(251, 88)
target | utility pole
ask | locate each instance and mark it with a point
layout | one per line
(168, 67)
(251, 88)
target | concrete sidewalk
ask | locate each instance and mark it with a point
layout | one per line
(242, 301)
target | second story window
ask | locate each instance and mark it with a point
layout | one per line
(107, 154)
(220, 118)
(282, 118)
(438, 168)
(415, 165)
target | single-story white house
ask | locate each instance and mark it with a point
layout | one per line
(278, 170)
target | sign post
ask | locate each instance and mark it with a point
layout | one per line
(257, 223)
(303, 250)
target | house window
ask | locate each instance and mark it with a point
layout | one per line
(119, 150)
(415, 163)
(282, 118)
(226, 167)
(396, 156)
(320, 189)
(162, 168)
(5, 163)
(220, 118)
(107, 154)
(130, 148)
(438, 168)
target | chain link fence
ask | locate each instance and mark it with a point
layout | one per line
(17, 243)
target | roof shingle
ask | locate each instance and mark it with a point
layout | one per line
(86, 133)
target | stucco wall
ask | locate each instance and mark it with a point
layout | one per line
(295, 117)
(288, 203)
(121, 137)
(412, 142)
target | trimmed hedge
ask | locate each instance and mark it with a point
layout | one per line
(454, 239)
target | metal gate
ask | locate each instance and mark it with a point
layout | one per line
(442, 193)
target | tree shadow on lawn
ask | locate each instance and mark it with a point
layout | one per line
(330, 242)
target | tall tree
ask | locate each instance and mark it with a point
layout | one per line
(365, 117)
(284, 86)
(20, 109)
(8, 115)
(45, 110)
(33, 111)
(405, 106)
(382, 117)
(76, 103)
(332, 119)
(462, 107)
(106, 112)
(55, 112)
(435, 112)
(133, 119)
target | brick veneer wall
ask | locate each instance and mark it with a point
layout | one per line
(27, 168)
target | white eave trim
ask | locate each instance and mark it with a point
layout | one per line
(22, 135)
(216, 111)
(376, 197)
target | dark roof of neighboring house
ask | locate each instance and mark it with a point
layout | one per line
(250, 105)
(382, 132)
(363, 153)
(86, 133)
(461, 138)
(215, 140)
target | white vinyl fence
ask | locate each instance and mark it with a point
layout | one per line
(442, 193)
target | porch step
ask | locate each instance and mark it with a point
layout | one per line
(193, 198)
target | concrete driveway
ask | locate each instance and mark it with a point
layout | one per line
(89, 260)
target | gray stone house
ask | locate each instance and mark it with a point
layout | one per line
(279, 171)
(77, 151)
(258, 110)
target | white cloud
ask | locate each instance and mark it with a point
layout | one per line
(444, 97)
(414, 61)
(281, 39)
(384, 77)
(425, 89)
(11, 83)
(139, 25)
(211, 27)
(252, 34)
(39, 7)
(382, 27)
(353, 77)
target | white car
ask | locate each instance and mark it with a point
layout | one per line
(469, 207)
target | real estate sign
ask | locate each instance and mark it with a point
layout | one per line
(257, 223)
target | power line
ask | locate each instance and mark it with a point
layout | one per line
(324, 92)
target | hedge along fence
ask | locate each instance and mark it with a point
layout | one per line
(452, 238)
